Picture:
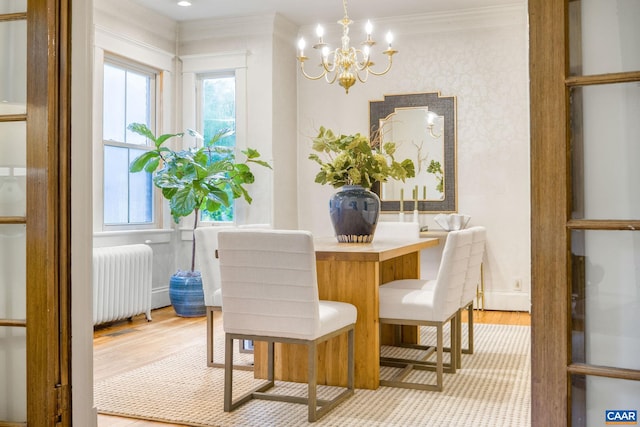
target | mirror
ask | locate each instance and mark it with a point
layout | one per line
(423, 126)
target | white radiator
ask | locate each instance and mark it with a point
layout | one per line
(121, 282)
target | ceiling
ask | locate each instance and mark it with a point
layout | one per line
(304, 12)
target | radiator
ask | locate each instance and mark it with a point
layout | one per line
(121, 282)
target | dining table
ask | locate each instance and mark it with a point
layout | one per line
(353, 273)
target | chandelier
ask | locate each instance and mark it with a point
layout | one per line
(345, 64)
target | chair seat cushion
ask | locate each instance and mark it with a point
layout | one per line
(426, 285)
(407, 304)
(335, 315)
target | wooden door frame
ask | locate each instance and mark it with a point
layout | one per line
(48, 213)
(550, 299)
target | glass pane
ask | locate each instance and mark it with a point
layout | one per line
(13, 272)
(605, 151)
(606, 311)
(605, 36)
(114, 103)
(13, 374)
(12, 169)
(604, 401)
(138, 103)
(13, 63)
(141, 196)
(219, 108)
(116, 185)
(13, 6)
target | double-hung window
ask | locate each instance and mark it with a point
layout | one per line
(129, 97)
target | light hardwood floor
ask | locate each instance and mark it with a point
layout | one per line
(126, 345)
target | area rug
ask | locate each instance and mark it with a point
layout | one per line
(491, 389)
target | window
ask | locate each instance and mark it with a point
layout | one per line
(217, 113)
(129, 97)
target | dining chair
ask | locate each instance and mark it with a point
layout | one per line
(206, 246)
(471, 282)
(403, 302)
(209, 265)
(469, 289)
(389, 230)
(270, 294)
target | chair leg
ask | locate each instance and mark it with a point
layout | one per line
(469, 349)
(228, 373)
(439, 357)
(312, 378)
(211, 343)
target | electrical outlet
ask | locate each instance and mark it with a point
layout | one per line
(517, 284)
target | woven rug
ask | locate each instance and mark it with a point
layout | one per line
(491, 389)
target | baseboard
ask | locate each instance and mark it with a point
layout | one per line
(160, 297)
(507, 301)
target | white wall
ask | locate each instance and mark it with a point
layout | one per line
(481, 57)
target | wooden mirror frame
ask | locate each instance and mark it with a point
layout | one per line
(443, 106)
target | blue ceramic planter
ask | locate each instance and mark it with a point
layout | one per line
(354, 213)
(186, 294)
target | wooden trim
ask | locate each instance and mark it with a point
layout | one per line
(604, 371)
(13, 220)
(13, 118)
(13, 322)
(19, 16)
(604, 224)
(548, 62)
(598, 79)
(48, 225)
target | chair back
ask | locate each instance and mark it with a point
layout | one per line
(452, 273)
(269, 283)
(208, 264)
(479, 236)
(393, 230)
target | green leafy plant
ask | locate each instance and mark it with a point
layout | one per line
(198, 178)
(355, 160)
(436, 168)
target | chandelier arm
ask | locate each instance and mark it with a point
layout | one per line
(318, 77)
(333, 80)
(386, 70)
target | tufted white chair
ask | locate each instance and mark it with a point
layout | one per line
(403, 302)
(209, 265)
(389, 230)
(270, 293)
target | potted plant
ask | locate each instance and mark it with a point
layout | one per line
(353, 163)
(198, 178)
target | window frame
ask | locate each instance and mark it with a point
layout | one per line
(195, 66)
(154, 113)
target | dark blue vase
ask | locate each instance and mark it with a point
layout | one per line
(354, 213)
(186, 294)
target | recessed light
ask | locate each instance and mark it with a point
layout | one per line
(184, 3)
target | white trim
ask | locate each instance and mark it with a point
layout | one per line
(130, 48)
(507, 301)
(214, 62)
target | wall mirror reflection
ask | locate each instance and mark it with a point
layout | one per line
(423, 126)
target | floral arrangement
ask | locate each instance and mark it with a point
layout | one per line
(355, 160)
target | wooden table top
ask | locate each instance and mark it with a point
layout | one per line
(328, 248)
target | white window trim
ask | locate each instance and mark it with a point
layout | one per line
(194, 66)
(153, 58)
